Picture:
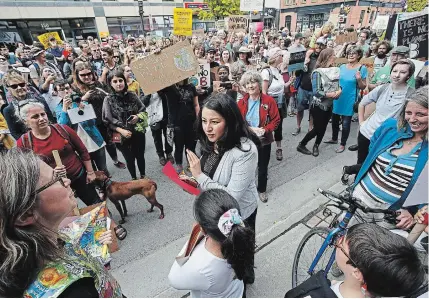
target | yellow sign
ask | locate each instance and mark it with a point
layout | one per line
(44, 38)
(103, 34)
(182, 21)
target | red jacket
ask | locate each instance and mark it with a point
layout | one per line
(269, 117)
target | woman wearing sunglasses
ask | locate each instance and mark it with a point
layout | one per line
(44, 138)
(34, 201)
(18, 94)
(375, 263)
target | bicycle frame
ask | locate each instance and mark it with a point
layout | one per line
(330, 240)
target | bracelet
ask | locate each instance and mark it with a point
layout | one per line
(90, 172)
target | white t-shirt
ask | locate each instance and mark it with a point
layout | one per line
(277, 86)
(205, 275)
(336, 289)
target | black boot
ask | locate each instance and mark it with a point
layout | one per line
(315, 150)
(353, 147)
(302, 149)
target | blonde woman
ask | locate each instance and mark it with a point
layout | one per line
(129, 56)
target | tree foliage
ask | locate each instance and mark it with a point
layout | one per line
(416, 5)
(219, 9)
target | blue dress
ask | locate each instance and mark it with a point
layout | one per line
(344, 104)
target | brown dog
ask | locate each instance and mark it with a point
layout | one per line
(118, 192)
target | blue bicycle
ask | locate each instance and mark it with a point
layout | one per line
(317, 249)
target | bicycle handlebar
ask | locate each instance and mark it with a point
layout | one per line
(355, 202)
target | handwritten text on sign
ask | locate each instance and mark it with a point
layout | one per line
(202, 78)
(237, 23)
(296, 61)
(251, 5)
(413, 33)
(182, 21)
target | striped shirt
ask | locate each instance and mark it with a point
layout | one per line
(389, 176)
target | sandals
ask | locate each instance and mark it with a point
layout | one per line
(120, 232)
(341, 149)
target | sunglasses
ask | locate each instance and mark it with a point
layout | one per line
(54, 180)
(254, 37)
(116, 57)
(86, 75)
(339, 245)
(15, 86)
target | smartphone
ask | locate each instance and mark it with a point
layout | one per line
(226, 85)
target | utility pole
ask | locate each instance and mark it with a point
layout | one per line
(141, 13)
(263, 14)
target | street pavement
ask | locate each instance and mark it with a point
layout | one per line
(143, 262)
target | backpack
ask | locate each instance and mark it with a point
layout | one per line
(270, 73)
(27, 142)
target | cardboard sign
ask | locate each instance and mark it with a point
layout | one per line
(251, 5)
(172, 65)
(237, 23)
(347, 37)
(202, 78)
(296, 61)
(369, 63)
(44, 38)
(182, 21)
(413, 33)
(198, 32)
(220, 24)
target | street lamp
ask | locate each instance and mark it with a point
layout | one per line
(141, 13)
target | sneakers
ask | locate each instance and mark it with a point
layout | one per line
(279, 154)
(302, 149)
(162, 160)
(120, 165)
(353, 147)
(170, 158)
(297, 131)
(345, 176)
(263, 197)
(315, 150)
(179, 169)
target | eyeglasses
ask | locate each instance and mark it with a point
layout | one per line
(15, 86)
(86, 75)
(63, 89)
(339, 245)
(54, 180)
(254, 37)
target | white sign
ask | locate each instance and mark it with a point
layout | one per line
(202, 78)
(419, 193)
(380, 23)
(251, 5)
(75, 117)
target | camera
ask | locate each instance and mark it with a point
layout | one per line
(77, 99)
(226, 85)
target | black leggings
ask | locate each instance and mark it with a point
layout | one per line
(320, 122)
(336, 127)
(363, 148)
(264, 154)
(133, 149)
(86, 192)
(184, 138)
(278, 132)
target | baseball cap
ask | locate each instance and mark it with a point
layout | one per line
(401, 50)
(211, 50)
(298, 36)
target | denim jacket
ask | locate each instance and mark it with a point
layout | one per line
(89, 126)
(384, 137)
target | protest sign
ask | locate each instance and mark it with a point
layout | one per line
(369, 63)
(173, 64)
(256, 27)
(296, 61)
(237, 23)
(413, 33)
(182, 21)
(44, 38)
(347, 37)
(419, 193)
(381, 22)
(202, 78)
(220, 25)
(251, 5)
(198, 32)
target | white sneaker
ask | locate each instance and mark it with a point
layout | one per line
(263, 197)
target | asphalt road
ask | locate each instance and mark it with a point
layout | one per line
(145, 256)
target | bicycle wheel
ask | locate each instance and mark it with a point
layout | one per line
(306, 252)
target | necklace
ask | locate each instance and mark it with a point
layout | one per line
(412, 141)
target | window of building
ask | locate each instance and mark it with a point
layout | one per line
(362, 15)
(288, 21)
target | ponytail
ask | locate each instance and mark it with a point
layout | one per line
(238, 249)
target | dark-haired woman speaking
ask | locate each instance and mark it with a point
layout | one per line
(218, 263)
(229, 156)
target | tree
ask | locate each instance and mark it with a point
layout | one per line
(416, 5)
(218, 9)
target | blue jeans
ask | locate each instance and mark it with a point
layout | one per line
(336, 127)
(303, 99)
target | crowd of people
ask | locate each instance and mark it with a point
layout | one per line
(221, 137)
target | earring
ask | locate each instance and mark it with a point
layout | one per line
(364, 289)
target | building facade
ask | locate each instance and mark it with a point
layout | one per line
(24, 20)
(299, 15)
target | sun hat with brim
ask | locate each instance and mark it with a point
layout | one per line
(36, 52)
(274, 55)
